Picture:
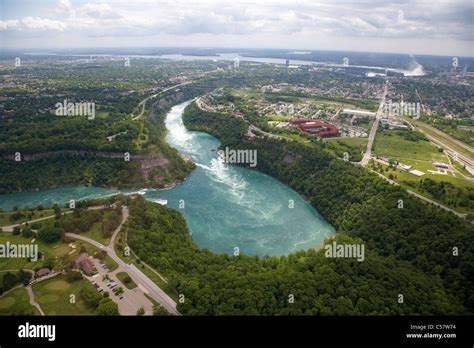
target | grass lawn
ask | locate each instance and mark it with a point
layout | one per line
(440, 135)
(295, 137)
(462, 169)
(393, 146)
(126, 280)
(5, 217)
(158, 281)
(17, 302)
(53, 295)
(95, 233)
(404, 179)
(278, 118)
(49, 251)
(111, 264)
(358, 142)
(353, 146)
(101, 114)
(54, 251)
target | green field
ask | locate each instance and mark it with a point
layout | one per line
(277, 118)
(460, 168)
(53, 295)
(353, 146)
(436, 133)
(17, 302)
(126, 280)
(408, 181)
(393, 146)
(350, 140)
(95, 233)
(360, 143)
(6, 221)
(420, 155)
(50, 251)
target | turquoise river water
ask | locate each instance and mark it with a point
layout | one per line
(225, 206)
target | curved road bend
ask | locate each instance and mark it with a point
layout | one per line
(154, 291)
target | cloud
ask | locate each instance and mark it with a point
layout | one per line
(32, 24)
(63, 6)
(249, 20)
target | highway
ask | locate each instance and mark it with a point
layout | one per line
(143, 102)
(373, 131)
(448, 143)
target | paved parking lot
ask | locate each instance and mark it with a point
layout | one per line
(130, 300)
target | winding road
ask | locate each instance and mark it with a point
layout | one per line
(153, 290)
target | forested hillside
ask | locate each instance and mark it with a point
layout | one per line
(74, 152)
(218, 284)
(360, 204)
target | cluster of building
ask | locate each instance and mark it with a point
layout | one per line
(391, 124)
(359, 112)
(302, 109)
(83, 263)
(351, 89)
(313, 126)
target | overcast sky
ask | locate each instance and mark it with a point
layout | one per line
(418, 27)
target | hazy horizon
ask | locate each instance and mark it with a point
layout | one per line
(128, 50)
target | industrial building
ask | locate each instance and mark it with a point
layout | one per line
(359, 112)
(313, 126)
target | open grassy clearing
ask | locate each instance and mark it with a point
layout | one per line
(50, 251)
(17, 302)
(54, 296)
(445, 138)
(393, 146)
(126, 280)
(409, 181)
(5, 218)
(53, 253)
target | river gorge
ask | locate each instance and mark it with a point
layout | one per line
(227, 207)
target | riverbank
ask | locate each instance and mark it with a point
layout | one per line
(356, 202)
(161, 168)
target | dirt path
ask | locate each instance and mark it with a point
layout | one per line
(32, 299)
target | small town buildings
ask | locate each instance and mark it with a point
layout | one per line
(441, 165)
(385, 123)
(404, 167)
(42, 272)
(83, 263)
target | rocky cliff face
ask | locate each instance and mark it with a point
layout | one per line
(163, 167)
